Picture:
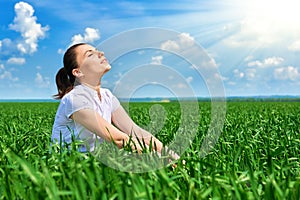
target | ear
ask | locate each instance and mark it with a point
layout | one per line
(77, 73)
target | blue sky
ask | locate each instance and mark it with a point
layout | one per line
(254, 46)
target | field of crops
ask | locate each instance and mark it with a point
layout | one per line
(256, 157)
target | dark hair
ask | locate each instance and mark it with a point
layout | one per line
(64, 77)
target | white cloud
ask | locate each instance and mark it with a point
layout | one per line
(156, 60)
(16, 61)
(4, 74)
(232, 83)
(118, 75)
(255, 63)
(60, 51)
(7, 75)
(238, 74)
(250, 74)
(31, 31)
(170, 46)
(6, 46)
(141, 52)
(286, 73)
(271, 61)
(184, 41)
(219, 77)
(189, 79)
(170, 77)
(181, 86)
(185, 46)
(248, 58)
(295, 46)
(90, 35)
(207, 64)
(247, 35)
(135, 8)
(42, 82)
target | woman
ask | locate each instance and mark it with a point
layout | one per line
(87, 111)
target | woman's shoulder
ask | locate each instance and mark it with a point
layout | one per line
(76, 92)
(106, 92)
(105, 89)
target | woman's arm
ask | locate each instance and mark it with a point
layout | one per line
(121, 119)
(92, 121)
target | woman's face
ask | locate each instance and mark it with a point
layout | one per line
(90, 60)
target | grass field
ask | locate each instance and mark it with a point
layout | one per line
(256, 157)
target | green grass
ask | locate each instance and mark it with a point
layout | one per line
(256, 157)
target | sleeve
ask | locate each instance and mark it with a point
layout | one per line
(115, 103)
(76, 102)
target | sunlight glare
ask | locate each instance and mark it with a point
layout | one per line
(283, 13)
(268, 20)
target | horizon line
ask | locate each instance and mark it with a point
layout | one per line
(275, 96)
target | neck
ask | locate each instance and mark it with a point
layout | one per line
(96, 88)
(93, 86)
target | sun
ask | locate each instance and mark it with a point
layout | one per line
(281, 10)
(272, 15)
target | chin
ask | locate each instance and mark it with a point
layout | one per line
(107, 67)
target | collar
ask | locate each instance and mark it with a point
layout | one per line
(95, 88)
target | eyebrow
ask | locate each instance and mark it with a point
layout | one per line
(89, 51)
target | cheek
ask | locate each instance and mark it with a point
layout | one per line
(85, 68)
(87, 64)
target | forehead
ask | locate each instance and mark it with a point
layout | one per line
(81, 50)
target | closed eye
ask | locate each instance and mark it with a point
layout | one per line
(89, 53)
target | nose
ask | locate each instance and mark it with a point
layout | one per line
(100, 54)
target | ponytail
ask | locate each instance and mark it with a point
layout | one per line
(64, 77)
(64, 83)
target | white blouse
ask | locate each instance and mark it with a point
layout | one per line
(82, 97)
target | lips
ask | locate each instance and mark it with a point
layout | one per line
(103, 61)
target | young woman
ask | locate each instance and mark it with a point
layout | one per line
(87, 111)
